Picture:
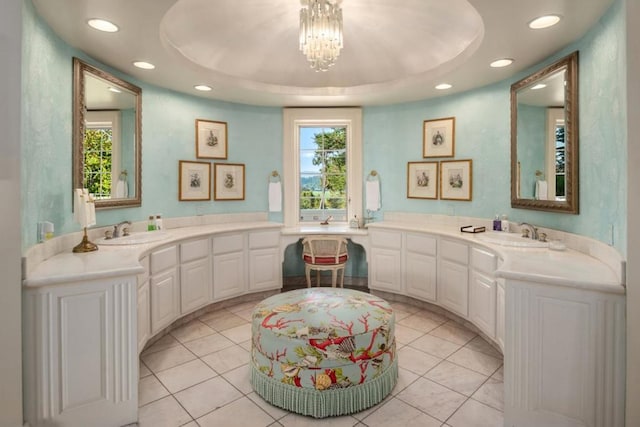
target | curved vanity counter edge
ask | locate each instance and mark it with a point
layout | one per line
(121, 260)
(536, 265)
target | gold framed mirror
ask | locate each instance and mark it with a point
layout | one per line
(107, 137)
(544, 138)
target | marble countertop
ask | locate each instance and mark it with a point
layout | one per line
(540, 265)
(120, 260)
(564, 268)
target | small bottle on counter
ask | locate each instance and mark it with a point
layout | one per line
(354, 222)
(497, 224)
(151, 226)
(504, 224)
(158, 222)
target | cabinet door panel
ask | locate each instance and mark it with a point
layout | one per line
(482, 303)
(228, 275)
(165, 299)
(264, 269)
(500, 300)
(195, 285)
(453, 289)
(385, 270)
(420, 276)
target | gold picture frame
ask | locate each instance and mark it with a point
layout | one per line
(422, 180)
(456, 180)
(439, 137)
(229, 182)
(194, 181)
(211, 139)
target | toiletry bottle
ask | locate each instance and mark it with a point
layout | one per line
(47, 228)
(354, 222)
(152, 224)
(504, 226)
(497, 225)
(158, 222)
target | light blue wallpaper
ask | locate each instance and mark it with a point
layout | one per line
(392, 137)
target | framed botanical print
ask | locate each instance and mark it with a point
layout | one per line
(438, 137)
(456, 180)
(229, 181)
(422, 180)
(211, 139)
(194, 181)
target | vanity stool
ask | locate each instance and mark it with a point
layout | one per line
(323, 351)
(325, 253)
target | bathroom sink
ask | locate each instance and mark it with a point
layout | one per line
(134, 238)
(511, 239)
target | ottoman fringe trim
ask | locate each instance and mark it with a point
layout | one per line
(326, 403)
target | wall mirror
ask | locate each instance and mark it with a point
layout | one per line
(544, 138)
(106, 137)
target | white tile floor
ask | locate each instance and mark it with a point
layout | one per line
(198, 375)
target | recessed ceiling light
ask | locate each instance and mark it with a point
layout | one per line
(443, 86)
(499, 63)
(102, 25)
(539, 86)
(545, 21)
(144, 65)
(203, 88)
(114, 89)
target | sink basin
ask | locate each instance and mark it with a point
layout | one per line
(134, 238)
(511, 239)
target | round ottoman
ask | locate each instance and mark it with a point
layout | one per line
(323, 351)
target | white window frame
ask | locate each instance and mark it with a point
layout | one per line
(293, 120)
(108, 118)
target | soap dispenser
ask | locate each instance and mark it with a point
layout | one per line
(504, 224)
(497, 224)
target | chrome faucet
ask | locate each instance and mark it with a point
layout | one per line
(118, 228)
(531, 229)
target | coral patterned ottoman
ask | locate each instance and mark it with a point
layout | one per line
(323, 351)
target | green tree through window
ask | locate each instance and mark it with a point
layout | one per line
(323, 183)
(98, 149)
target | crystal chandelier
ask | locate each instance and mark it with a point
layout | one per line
(321, 32)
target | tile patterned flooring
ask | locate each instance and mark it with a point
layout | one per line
(198, 375)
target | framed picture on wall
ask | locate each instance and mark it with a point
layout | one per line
(438, 137)
(422, 180)
(211, 139)
(194, 181)
(229, 181)
(456, 180)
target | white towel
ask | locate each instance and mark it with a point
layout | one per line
(373, 195)
(275, 197)
(122, 190)
(541, 190)
(84, 211)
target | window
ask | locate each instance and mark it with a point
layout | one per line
(322, 165)
(101, 140)
(556, 154)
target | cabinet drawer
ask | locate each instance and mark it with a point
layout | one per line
(264, 239)
(164, 259)
(421, 244)
(194, 250)
(227, 244)
(386, 239)
(454, 251)
(482, 260)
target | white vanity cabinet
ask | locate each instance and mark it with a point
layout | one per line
(420, 263)
(565, 356)
(229, 266)
(265, 269)
(144, 305)
(453, 276)
(482, 290)
(80, 358)
(165, 288)
(500, 314)
(385, 272)
(195, 275)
